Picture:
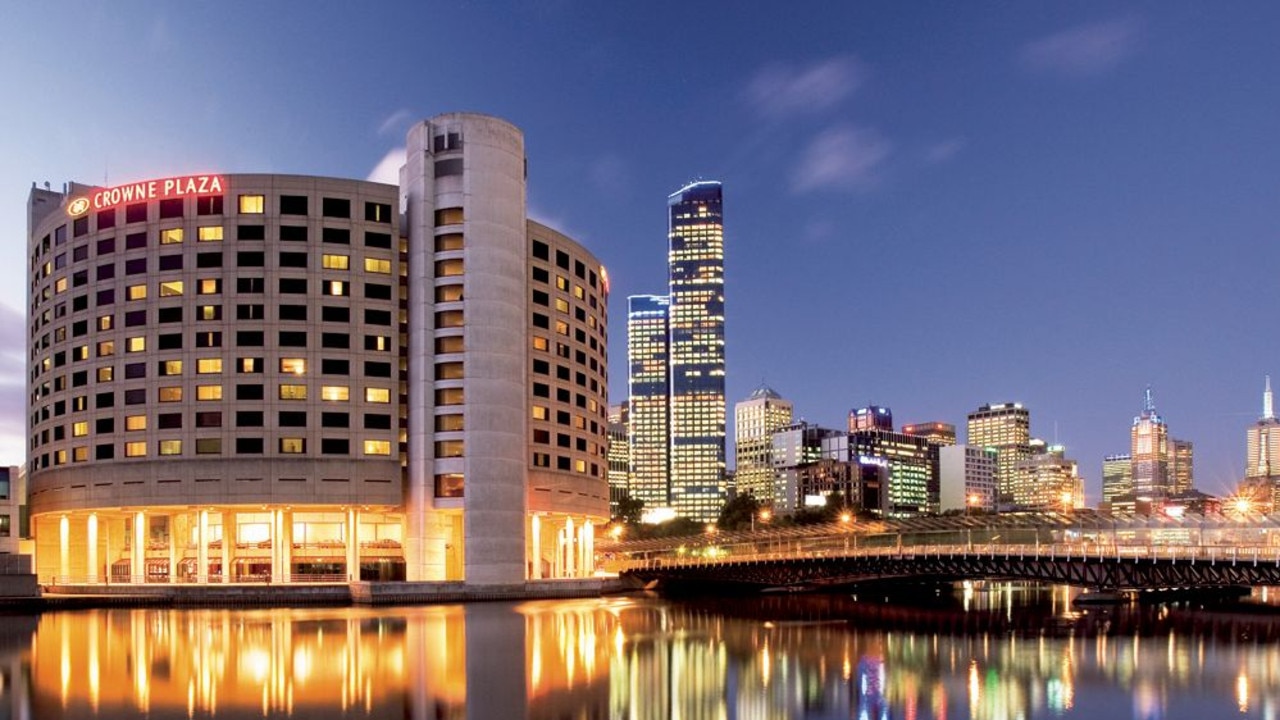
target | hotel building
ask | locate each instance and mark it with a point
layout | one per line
(248, 377)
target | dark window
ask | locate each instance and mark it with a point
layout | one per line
(80, 278)
(293, 286)
(335, 420)
(293, 339)
(293, 312)
(540, 320)
(135, 241)
(250, 285)
(250, 312)
(293, 233)
(170, 262)
(541, 250)
(136, 266)
(209, 260)
(248, 392)
(377, 240)
(562, 463)
(209, 205)
(340, 236)
(335, 208)
(136, 212)
(79, 327)
(293, 259)
(335, 446)
(340, 341)
(377, 291)
(135, 396)
(106, 297)
(451, 166)
(335, 314)
(579, 269)
(134, 318)
(541, 298)
(377, 369)
(377, 212)
(171, 208)
(170, 341)
(541, 275)
(210, 419)
(293, 205)
(104, 425)
(562, 259)
(106, 246)
(248, 418)
(104, 400)
(251, 232)
(104, 452)
(106, 219)
(248, 446)
(292, 418)
(541, 390)
(541, 367)
(107, 271)
(377, 317)
(250, 338)
(80, 226)
(250, 258)
(79, 302)
(335, 366)
(169, 421)
(377, 422)
(133, 371)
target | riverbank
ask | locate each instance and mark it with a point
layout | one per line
(81, 597)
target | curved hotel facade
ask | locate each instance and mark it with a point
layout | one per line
(251, 377)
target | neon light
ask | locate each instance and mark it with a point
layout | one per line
(147, 190)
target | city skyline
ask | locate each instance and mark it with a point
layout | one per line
(1019, 185)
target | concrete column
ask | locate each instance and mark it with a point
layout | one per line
(535, 552)
(138, 558)
(273, 537)
(571, 549)
(286, 544)
(557, 564)
(228, 543)
(64, 548)
(353, 545)
(173, 548)
(202, 547)
(588, 549)
(91, 547)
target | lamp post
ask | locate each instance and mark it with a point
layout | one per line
(846, 523)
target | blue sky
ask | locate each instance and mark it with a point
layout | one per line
(929, 206)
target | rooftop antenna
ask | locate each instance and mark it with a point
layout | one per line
(1148, 403)
(1268, 409)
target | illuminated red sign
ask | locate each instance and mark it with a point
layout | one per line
(145, 191)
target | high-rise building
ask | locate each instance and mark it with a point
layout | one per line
(619, 456)
(938, 435)
(697, 420)
(1149, 451)
(968, 478)
(12, 504)
(756, 419)
(794, 448)
(1181, 466)
(280, 376)
(872, 417)
(1052, 478)
(1006, 428)
(908, 461)
(1262, 454)
(1117, 477)
(649, 392)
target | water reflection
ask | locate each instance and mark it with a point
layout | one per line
(988, 652)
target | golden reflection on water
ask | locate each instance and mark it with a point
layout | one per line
(635, 659)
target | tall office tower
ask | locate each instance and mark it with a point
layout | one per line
(697, 420)
(968, 479)
(1149, 443)
(756, 419)
(872, 417)
(619, 456)
(649, 385)
(1262, 454)
(1007, 428)
(1052, 480)
(1181, 466)
(1117, 477)
(938, 435)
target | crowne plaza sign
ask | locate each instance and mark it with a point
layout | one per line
(146, 190)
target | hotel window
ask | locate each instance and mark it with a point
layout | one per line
(136, 212)
(208, 419)
(339, 341)
(80, 353)
(449, 268)
(209, 205)
(449, 396)
(382, 343)
(208, 392)
(293, 366)
(293, 445)
(135, 344)
(60, 285)
(447, 293)
(105, 374)
(335, 207)
(80, 429)
(541, 250)
(171, 288)
(251, 204)
(449, 371)
(169, 421)
(80, 454)
(562, 327)
(171, 394)
(377, 395)
(449, 423)
(249, 365)
(451, 241)
(376, 265)
(335, 393)
(335, 262)
(449, 216)
(208, 312)
(135, 449)
(208, 446)
(206, 366)
(211, 233)
(539, 343)
(449, 319)
(377, 212)
(562, 305)
(377, 447)
(136, 292)
(449, 448)
(340, 288)
(209, 286)
(377, 240)
(341, 236)
(293, 392)
(293, 204)
(170, 262)
(171, 236)
(170, 447)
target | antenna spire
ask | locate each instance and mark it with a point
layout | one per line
(1268, 409)
(1148, 404)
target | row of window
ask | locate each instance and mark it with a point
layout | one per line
(213, 446)
(243, 418)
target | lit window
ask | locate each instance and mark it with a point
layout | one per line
(209, 312)
(170, 447)
(170, 288)
(374, 265)
(293, 366)
(578, 292)
(250, 365)
(135, 449)
(562, 283)
(80, 353)
(209, 286)
(449, 448)
(206, 366)
(539, 343)
(580, 465)
(171, 394)
(209, 234)
(539, 412)
(105, 322)
(105, 373)
(80, 429)
(562, 327)
(106, 348)
(135, 344)
(136, 292)
(337, 287)
(171, 367)
(60, 285)
(562, 305)
(337, 262)
(293, 392)
(171, 236)
(377, 395)
(80, 454)
(377, 447)
(135, 422)
(208, 392)
(252, 204)
(293, 445)
(335, 393)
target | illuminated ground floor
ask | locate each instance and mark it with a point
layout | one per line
(260, 544)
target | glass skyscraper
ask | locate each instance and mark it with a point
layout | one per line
(696, 259)
(649, 389)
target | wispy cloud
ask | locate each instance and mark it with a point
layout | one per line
(388, 168)
(843, 157)
(781, 91)
(1085, 50)
(945, 150)
(395, 122)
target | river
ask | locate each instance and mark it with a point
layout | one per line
(995, 651)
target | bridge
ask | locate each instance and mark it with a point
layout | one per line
(1084, 549)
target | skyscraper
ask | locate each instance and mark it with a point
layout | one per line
(756, 419)
(1181, 466)
(1117, 477)
(1262, 453)
(1007, 428)
(872, 417)
(1052, 482)
(619, 456)
(649, 391)
(697, 415)
(938, 435)
(1149, 441)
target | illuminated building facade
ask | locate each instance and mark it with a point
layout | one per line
(756, 419)
(247, 377)
(619, 456)
(907, 457)
(794, 447)
(11, 509)
(968, 478)
(1055, 484)
(1181, 466)
(1262, 454)
(1149, 451)
(1117, 477)
(938, 435)
(1006, 427)
(696, 259)
(872, 417)
(649, 398)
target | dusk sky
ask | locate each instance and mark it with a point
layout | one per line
(928, 206)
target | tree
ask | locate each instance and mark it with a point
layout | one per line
(629, 509)
(737, 514)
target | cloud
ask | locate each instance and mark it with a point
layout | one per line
(945, 150)
(388, 168)
(1085, 50)
(395, 122)
(841, 157)
(782, 91)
